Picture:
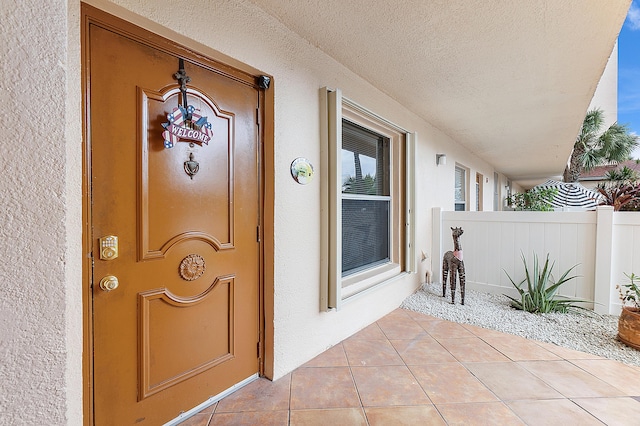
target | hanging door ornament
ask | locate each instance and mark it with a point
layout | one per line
(191, 167)
(186, 124)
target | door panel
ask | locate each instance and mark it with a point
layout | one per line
(216, 217)
(183, 323)
(167, 321)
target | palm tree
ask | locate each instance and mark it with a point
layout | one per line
(594, 147)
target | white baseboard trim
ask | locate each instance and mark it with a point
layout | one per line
(195, 410)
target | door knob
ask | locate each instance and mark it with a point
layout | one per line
(109, 283)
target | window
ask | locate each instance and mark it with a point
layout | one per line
(496, 192)
(461, 189)
(367, 200)
(508, 196)
(479, 192)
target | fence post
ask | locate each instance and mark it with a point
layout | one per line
(436, 245)
(604, 246)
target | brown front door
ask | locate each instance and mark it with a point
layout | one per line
(182, 324)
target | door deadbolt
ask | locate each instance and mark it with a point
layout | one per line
(108, 247)
(109, 283)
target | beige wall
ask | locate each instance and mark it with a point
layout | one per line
(41, 293)
(606, 94)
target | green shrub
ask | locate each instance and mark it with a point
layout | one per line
(535, 199)
(540, 294)
(631, 294)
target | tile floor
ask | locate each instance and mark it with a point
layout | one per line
(413, 369)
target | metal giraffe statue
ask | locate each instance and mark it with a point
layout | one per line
(452, 263)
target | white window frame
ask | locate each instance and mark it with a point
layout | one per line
(479, 192)
(465, 186)
(496, 192)
(336, 289)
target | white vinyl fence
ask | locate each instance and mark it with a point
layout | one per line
(603, 244)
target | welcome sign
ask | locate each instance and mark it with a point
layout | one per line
(186, 124)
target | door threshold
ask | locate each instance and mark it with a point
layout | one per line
(195, 410)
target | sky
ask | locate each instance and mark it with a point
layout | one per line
(629, 71)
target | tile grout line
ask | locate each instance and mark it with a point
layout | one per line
(353, 379)
(416, 379)
(211, 415)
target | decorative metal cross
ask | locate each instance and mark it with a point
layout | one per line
(183, 79)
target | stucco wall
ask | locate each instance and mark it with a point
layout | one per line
(40, 323)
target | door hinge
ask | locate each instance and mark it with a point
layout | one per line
(258, 350)
(258, 116)
(258, 233)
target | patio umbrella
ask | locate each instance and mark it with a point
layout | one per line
(571, 194)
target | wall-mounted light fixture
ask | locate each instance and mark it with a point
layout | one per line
(441, 159)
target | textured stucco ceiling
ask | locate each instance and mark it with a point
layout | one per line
(509, 80)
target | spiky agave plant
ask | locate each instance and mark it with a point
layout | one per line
(540, 295)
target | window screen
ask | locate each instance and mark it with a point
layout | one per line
(365, 198)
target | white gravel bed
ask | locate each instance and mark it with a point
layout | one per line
(582, 331)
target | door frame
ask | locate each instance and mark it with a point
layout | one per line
(165, 40)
